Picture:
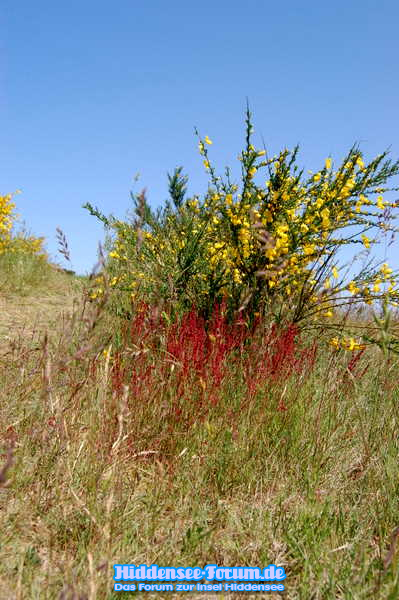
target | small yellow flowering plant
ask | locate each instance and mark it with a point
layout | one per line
(6, 221)
(11, 241)
(270, 243)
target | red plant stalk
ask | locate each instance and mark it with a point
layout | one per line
(194, 354)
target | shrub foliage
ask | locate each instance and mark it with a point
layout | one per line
(270, 244)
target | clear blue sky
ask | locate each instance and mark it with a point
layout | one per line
(92, 92)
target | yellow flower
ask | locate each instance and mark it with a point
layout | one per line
(206, 164)
(385, 270)
(351, 344)
(308, 249)
(252, 171)
(360, 163)
(325, 214)
(271, 253)
(237, 276)
(380, 203)
(207, 140)
(335, 272)
(358, 206)
(335, 342)
(327, 283)
(328, 163)
(365, 241)
(352, 287)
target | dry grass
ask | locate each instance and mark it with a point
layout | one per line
(35, 297)
(101, 476)
(27, 316)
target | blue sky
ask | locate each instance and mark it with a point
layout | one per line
(92, 93)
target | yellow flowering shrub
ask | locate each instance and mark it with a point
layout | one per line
(16, 242)
(6, 220)
(272, 242)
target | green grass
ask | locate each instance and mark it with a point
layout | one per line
(26, 274)
(100, 478)
(34, 296)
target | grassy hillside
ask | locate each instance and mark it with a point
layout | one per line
(34, 295)
(137, 448)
